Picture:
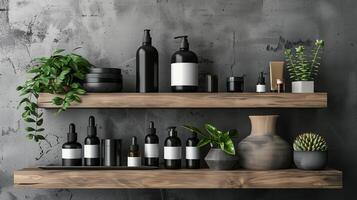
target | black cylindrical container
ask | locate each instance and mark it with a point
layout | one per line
(147, 66)
(192, 152)
(184, 68)
(235, 84)
(172, 150)
(111, 152)
(91, 145)
(72, 150)
(151, 154)
(211, 83)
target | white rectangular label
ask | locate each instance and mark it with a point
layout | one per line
(91, 151)
(184, 74)
(151, 151)
(172, 153)
(71, 153)
(134, 161)
(192, 153)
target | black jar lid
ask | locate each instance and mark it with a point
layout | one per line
(102, 70)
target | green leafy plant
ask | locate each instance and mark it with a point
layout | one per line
(216, 138)
(310, 142)
(304, 67)
(57, 74)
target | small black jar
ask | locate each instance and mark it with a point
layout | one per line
(235, 84)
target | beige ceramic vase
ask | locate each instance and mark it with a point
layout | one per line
(263, 149)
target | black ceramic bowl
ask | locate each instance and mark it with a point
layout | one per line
(98, 70)
(107, 76)
(103, 87)
(102, 80)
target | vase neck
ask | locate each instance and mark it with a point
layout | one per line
(263, 125)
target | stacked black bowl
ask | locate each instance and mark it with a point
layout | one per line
(103, 80)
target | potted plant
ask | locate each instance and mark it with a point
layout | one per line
(57, 74)
(310, 151)
(222, 155)
(303, 68)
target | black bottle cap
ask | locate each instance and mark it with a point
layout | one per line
(261, 79)
(72, 135)
(151, 129)
(184, 42)
(134, 144)
(92, 128)
(172, 131)
(147, 37)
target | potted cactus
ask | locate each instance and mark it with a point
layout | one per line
(310, 151)
(304, 68)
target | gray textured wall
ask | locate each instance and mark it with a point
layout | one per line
(224, 33)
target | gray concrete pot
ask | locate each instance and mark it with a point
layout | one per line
(310, 160)
(217, 159)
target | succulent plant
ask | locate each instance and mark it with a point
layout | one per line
(310, 142)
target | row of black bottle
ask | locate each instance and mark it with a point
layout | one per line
(184, 67)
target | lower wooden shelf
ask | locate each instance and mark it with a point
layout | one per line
(176, 179)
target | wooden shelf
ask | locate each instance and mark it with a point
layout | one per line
(174, 179)
(194, 100)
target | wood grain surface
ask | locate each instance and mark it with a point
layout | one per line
(194, 100)
(172, 179)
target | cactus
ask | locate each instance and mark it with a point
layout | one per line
(310, 142)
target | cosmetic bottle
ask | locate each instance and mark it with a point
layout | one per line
(261, 87)
(235, 84)
(72, 150)
(134, 159)
(110, 152)
(172, 150)
(151, 155)
(184, 68)
(192, 152)
(147, 66)
(91, 145)
(280, 85)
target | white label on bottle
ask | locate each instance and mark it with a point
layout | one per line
(192, 153)
(134, 161)
(184, 74)
(71, 153)
(261, 88)
(91, 151)
(151, 151)
(172, 153)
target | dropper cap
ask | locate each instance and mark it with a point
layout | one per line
(72, 135)
(92, 128)
(184, 42)
(151, 129)
(147, 37)
(172, 131)
(134, 144)
(261, 79)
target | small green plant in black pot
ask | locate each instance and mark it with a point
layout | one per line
(222, 155)
(310, 151)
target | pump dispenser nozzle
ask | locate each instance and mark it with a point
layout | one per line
(184, 42)
(92, 128)
(147, 37)
(72, 135)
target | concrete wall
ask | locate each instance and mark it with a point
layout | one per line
(228, 35)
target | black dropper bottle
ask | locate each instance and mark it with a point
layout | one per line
(172, 150)
(91, 145)
(72, 150)
(134, 159)
(261, 87)
(192, 152)
(147, 66)
(184, 68)
(151, 155)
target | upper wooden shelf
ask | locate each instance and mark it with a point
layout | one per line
(176, 179)
(194, 100)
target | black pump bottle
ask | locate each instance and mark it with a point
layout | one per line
(151, 155)
(172, 150)
(91, 145)
(147, 66)
(192, 152)
(72, 150)
(184, 68)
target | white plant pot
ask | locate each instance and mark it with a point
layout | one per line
(302, 87)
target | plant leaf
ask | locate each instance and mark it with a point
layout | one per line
(203, 142)
(229, 147)
(193, 129)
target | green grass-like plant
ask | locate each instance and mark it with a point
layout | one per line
(215, 137)
(57, 74)
(304, 67)
(310, 142)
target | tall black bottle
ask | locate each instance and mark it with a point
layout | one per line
(147, 66)
(192, 152)
(172, 150)
(184, 68)
(91, 145)
(72, 150)
(151, 155)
